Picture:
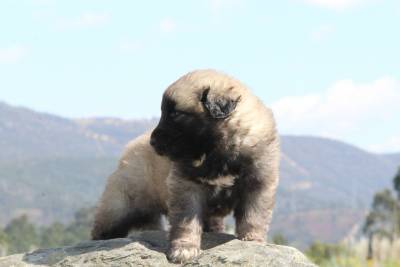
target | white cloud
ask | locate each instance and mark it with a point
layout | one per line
(345, 108)
(86, 20)
(167, 25)
(336, 4)
(392, 144)
(12, 54)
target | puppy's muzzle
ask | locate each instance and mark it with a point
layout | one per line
(156, 141)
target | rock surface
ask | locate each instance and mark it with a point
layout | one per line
(148, 248)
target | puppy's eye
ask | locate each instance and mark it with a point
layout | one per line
(178, 114)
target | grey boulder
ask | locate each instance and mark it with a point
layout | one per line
(148, 249)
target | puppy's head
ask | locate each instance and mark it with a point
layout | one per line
(192, 109)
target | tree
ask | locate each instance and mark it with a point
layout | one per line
(279, 239)
(3, 243)
(320, 252)
(79, 229)
(53, 236)
(3, 237)
(382, 220)
(396, 184)
(21, 235)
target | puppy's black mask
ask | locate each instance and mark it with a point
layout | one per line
(182, 135)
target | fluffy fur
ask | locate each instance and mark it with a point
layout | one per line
(215, 150)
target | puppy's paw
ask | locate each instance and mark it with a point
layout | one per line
(251, 237)
(183, 253)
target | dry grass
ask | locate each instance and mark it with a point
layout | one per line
(385, 254)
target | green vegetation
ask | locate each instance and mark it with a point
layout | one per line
(3, 243)
(357, 262)
(381, 223)
(20, 235)
(383, 220)
(51, 189)
(334, 255)
(396, 183)
(279, 239)
(328, 254)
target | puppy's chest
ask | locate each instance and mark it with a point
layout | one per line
(219, 183)
(220, 200)
(215, 170)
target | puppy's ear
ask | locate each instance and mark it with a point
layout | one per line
(218, 106)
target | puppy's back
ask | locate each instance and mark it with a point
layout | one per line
(146, 170)
(136, 193)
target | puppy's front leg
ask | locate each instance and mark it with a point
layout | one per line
(185, 217)
(253, 212)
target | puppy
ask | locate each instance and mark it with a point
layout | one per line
(215, 150)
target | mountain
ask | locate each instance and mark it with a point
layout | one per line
(117, 130)
(51, 166)
(25, 134)
(332, 171)
(326, 187)
(51, 189)
(395, 158)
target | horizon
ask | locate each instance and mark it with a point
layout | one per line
(156, 118)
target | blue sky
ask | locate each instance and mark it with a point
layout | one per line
(326, 67)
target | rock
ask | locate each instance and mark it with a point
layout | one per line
(148, 248)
